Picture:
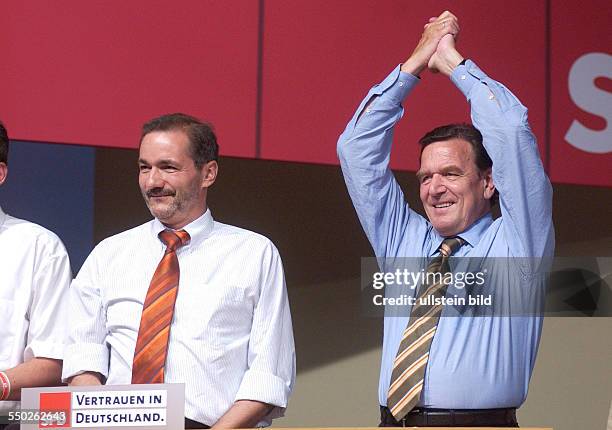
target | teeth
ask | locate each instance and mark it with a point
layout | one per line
(444, 205)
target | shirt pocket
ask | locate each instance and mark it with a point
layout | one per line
(220, 318)
(7, 328)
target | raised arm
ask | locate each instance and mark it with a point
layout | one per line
(524, 189)
(364, 148)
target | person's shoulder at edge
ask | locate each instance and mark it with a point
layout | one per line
(30, 231)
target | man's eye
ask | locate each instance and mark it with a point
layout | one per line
(143, 168)
(425, 179)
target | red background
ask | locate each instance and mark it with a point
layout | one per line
(92, 72)
(577, 29)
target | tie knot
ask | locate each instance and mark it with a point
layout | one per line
(450, 245)
(174, 239)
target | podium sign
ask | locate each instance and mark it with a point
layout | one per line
(144, 407)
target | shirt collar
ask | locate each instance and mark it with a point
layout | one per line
(198, 229)
(472, 235)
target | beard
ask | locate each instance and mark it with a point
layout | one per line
(181, 200)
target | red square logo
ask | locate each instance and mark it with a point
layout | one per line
(55, 410)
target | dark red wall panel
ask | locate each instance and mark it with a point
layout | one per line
(91, 72)
(321, 57)
(581, 96)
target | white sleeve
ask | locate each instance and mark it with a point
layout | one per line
(271, 357)
(47, 310)
(86, 350)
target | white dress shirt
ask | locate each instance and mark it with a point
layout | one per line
(34, 279)
(231, 337)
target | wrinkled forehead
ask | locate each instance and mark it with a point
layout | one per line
(171, 144)
(453, 151)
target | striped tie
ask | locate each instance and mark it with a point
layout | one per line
(413, 352)
(152, 343)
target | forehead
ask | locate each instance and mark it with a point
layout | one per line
(172, 144)
(446, 152)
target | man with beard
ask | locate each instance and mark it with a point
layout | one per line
(184, 298)
(34, 279)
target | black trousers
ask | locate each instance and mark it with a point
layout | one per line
(423, 417)
(191, 424)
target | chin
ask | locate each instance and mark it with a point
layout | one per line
(160, 214)
(446, 230)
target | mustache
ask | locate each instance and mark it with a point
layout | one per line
(158, 192)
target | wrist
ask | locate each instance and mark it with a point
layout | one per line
(5, 386)
(451, 60)
(413, 66)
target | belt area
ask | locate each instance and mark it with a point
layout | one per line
(428, 417)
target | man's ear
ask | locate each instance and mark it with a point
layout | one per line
(209, 173)
(3, 172)
(489, 186)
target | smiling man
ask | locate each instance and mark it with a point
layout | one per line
(438, 370)
(184, 298)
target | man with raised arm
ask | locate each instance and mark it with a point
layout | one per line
(454, 371)
(34, 279)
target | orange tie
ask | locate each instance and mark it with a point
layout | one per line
(152, 343)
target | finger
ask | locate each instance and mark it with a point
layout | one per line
(450, 25)
(432, 19)
(444, 25)
(447, 14)
(451, 20)
(454, 29)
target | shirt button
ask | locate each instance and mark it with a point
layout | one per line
(491, 96)
(401, 84)
(367, 110)
(462, 77)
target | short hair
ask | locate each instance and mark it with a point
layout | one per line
(202, 140)
(4, 144)
(471, 135)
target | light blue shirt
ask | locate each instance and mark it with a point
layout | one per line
(475, 363)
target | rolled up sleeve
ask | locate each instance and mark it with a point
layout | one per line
(271, 356)
(86, 350)
(47, 313)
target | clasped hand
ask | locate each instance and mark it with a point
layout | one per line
(436, 48)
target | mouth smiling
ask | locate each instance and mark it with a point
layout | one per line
(443, 205)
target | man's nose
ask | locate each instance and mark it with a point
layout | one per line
(437, 186)
(154, 178)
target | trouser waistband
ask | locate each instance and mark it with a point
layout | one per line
(429, 417)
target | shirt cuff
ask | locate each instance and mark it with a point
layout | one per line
(36, 348)
(398, 85)
(465, 76)
(264, 387)
(85, 357)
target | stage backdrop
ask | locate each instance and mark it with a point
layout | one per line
(280, 78)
